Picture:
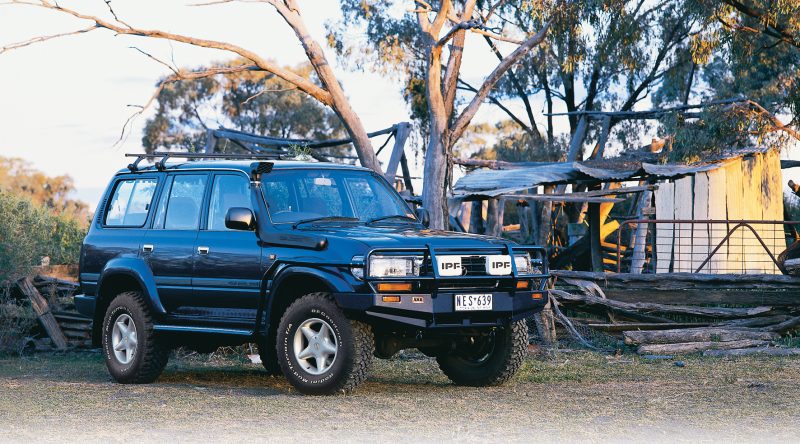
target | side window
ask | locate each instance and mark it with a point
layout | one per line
(185, 198)
(131, 202)
(229, 191)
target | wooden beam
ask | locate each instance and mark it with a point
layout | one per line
(42, 309)
(400, 136)
(561, 198)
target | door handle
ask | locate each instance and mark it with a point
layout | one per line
(202, 250)
(147, 248)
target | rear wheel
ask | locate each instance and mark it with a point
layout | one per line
(480, 361)
(132, 353)
(320, 351)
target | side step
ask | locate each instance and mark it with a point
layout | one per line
(206, 330)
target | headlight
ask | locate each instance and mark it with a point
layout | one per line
(394, 266)
(523, 263)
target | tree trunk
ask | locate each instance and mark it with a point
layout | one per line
(433, 186)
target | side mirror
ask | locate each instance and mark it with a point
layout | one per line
(240, 218)
(423, 216)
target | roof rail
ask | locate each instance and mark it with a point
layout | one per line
(161, 164)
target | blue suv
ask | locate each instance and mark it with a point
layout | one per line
(322, 265)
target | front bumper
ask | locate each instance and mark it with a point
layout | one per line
(437, 310)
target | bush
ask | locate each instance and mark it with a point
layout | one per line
(16, 322)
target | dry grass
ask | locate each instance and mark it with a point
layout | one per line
(572, 397)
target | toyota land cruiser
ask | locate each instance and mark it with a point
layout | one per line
(322, 265)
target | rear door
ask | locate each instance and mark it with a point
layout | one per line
(119, 227)
(168, 247)
(228, 263)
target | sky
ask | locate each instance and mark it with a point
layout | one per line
(63, 102)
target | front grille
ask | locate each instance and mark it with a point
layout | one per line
(474, 265)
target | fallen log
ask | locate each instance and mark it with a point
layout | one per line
(697, 335)
(754, 322)
(694, 347)
(648, 307)
(630, 326)
(42, 309)
(786, 326)
(771, 351)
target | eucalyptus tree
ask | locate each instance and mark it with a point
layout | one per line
(251, 101)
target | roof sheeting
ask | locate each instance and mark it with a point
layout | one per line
(493, 183)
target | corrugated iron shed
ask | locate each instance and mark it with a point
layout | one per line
(492, 183)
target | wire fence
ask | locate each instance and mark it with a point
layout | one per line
(704, 246)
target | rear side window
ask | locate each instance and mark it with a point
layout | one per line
(185, 200)
(131, 202)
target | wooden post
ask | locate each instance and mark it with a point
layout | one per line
(594, 237)
(494, 217)
(476, 218)
(403, 129)
(211, 141)
(576, 143)
(600, 148)
(640, 235)
(406, 173)
(39, 304)
(545, 218)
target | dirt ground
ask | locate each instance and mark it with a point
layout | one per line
(574, 396)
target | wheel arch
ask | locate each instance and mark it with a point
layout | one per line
(120, 275)
(293, 282)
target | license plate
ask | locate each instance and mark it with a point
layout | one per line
(473, 302)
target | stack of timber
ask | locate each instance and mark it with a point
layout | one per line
(683, 313)
(64, 326)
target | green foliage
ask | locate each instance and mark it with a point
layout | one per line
(717, 130)
(29, 232)
(504, 141)
(255, 102)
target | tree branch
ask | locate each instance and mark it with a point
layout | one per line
(43, 39)
(469, 112)
(302, 83)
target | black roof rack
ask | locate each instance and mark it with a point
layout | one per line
(164, 156)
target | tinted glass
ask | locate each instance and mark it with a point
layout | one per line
(228, 192)
(295, 195)
(131, 202)
(185, 199)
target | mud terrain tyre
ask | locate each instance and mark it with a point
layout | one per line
(320, 351)
(131, 351)
(489, 361)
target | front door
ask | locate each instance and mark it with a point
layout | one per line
(168, 247)
(228, 265)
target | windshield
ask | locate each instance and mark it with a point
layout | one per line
(302, 195)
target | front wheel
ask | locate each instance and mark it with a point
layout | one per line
(320, 351)
(488, 360)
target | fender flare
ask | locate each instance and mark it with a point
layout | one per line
(140, 271)
(274, 279)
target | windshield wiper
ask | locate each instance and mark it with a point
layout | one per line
(393, 216)
(325, 218)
